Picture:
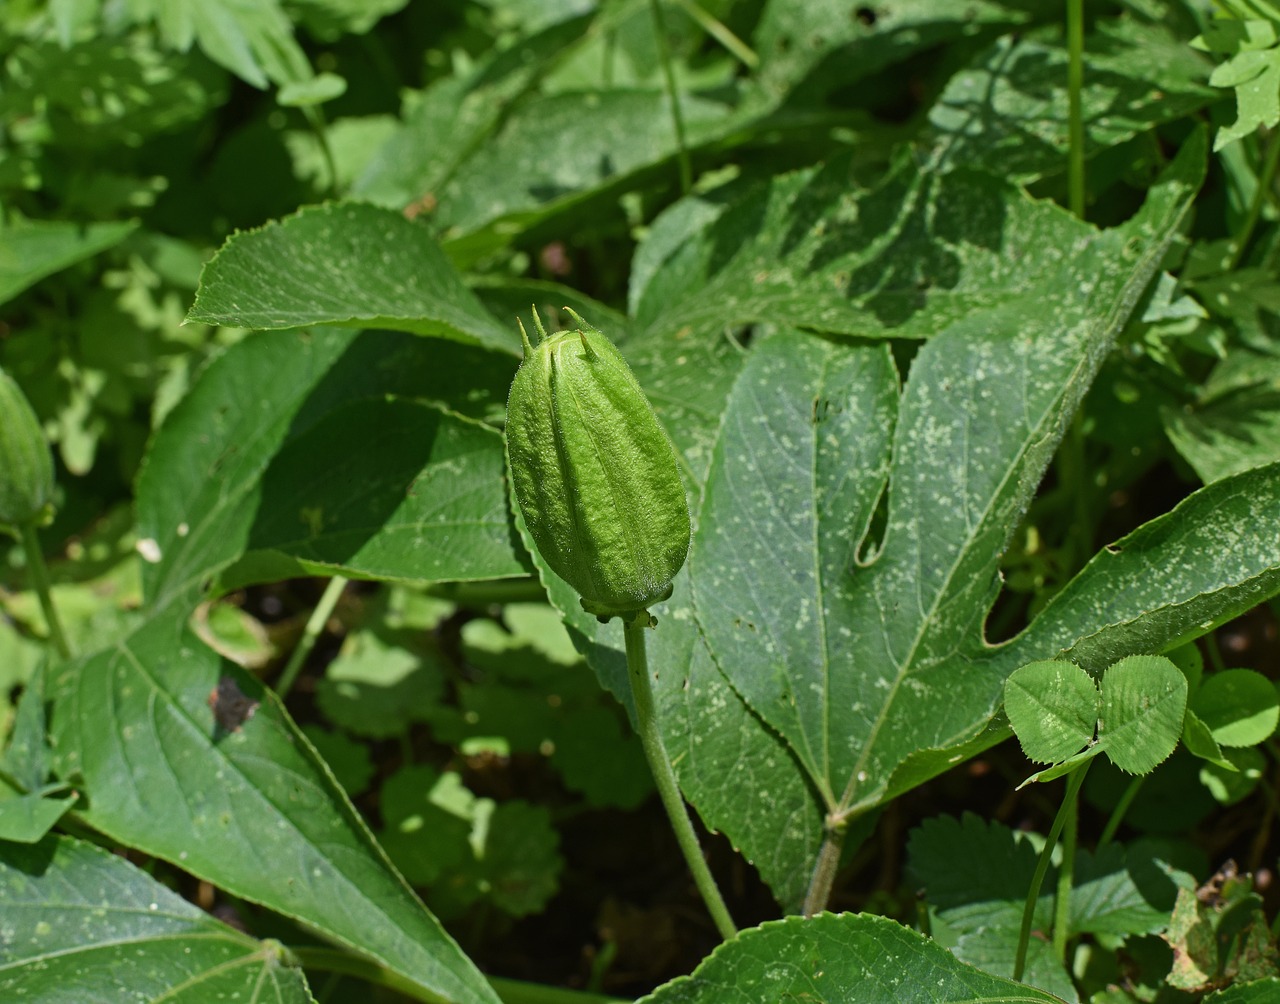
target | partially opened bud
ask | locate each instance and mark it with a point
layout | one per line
(26, 465)
(594, 473)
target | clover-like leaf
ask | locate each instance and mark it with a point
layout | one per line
(1144, 698)
(1053, 709)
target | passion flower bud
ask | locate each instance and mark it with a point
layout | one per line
(26, 465)
(594, 473)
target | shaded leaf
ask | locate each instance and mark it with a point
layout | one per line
(899, 254)
(83, 924)
(1235, 425)
(31, 250)
(1007, 112)
(200, 510)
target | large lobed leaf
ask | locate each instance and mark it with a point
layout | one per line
(82, 924)
(859, 664)
(185, 757)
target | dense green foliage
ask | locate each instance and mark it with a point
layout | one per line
(962, 318)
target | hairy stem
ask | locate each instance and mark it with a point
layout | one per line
(664, 777)
(824, 870)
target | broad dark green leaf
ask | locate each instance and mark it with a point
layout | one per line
(185, 757)
(382, 488)
(199, 509)
(82, 924)
(559, 148)
(1007, 112)
(349, 264)
(898, 254)
(29, 251)
(861, 663)
(839, 959)
(452, 118)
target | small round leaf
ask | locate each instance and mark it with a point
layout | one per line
(1053, 708)
(1144, 698)
(1240, 707)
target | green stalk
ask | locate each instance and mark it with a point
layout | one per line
(1075, 107)
(1117, 814)
(1265, 179)
(677, 115)
(1066, 879)
(718, 30)
(315, 624)
(333, 960)
(664, 777)
(1074, 780)
(39, 573)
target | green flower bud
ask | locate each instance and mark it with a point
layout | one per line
(26, 465)
(594, 473)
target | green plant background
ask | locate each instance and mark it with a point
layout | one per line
(259, 271)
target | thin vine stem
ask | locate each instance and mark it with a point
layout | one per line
(1074, 780)
(718, 30)
(1266, 178)
(1066, 879)
(1118, 813)
(677, 114)
(39, 573)
(1075, 107)
(664, 777)
(315, 624)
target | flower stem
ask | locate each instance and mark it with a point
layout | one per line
(664, 777)
(39, 573)
(1266, 177)
(1074, 780)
